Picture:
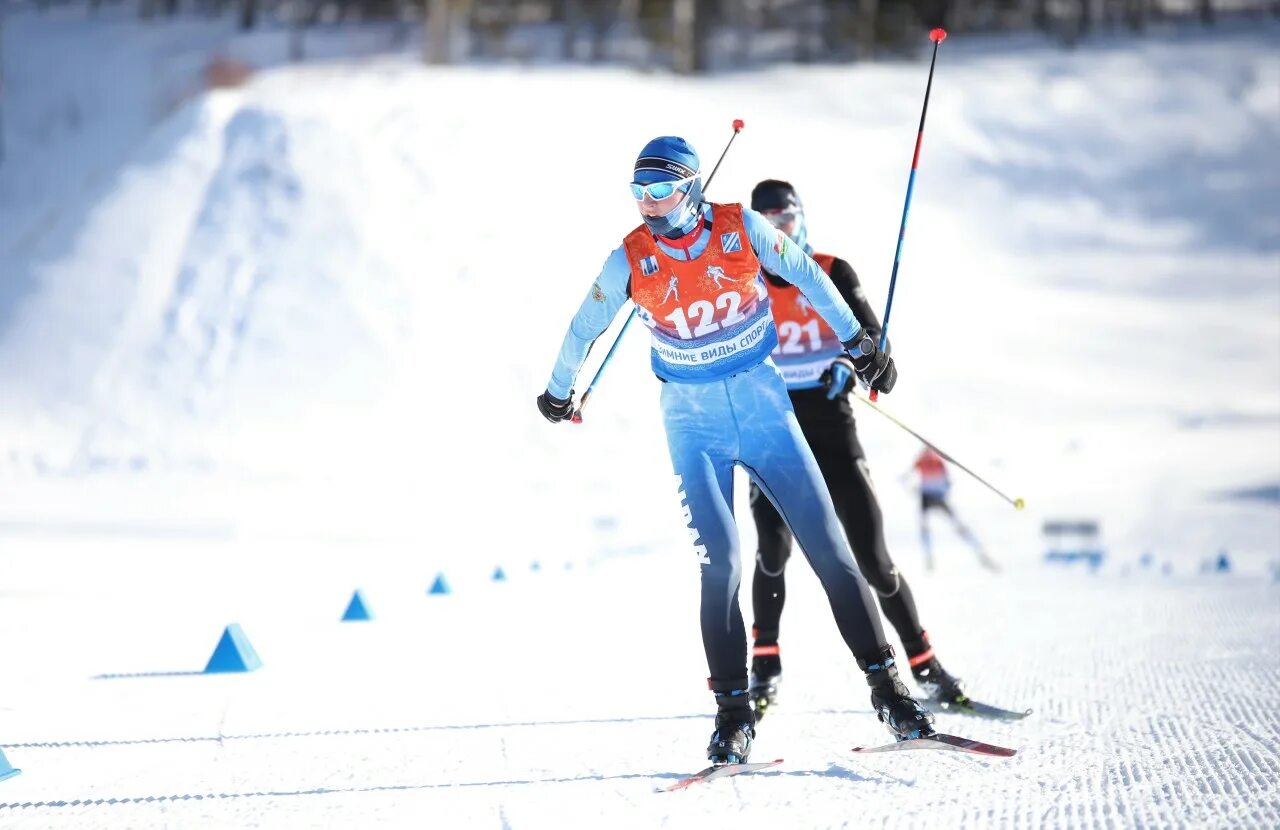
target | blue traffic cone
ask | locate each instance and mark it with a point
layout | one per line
(234, 653)
(440, 586)
(499, 575)
(6, 769)
(357, 609)
(536, 566)
(1223, 564)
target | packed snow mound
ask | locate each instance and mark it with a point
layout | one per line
(229, 258)
(254, 318)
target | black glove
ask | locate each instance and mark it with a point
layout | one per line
(874, 367)
(838, 379)
(555, 409)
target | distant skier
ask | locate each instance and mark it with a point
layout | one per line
(724, 404)
(819, 378)
(934, 487)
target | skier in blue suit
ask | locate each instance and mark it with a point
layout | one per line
(724, 404)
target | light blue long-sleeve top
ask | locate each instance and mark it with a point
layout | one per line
(609, 292)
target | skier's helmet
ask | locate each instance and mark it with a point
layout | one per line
(781, 205)
(668, 164)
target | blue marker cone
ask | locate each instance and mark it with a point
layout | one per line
(357, 609)
(536, 566)
(440, 586)
(6, 769)
(1223, 564)
(234, 653)
(499, 575)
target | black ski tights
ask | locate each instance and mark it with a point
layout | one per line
(829, 428)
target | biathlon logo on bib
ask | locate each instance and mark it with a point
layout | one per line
(731, 242)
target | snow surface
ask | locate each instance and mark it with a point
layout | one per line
(262, 346)
(558, 700)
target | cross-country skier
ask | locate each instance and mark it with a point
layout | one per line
(725, 404)
(819, 377)
(935, 484)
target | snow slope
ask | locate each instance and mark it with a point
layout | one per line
(288, 345)
(313, 278)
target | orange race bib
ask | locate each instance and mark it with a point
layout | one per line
(806, 344)
(709, 317)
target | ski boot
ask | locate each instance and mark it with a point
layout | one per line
(905, 718)
(766, 676)
(937, 685)
(735, 727)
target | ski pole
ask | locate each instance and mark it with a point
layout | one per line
(582, 402)
(937, 36)
(1017, 503)
(586, 396)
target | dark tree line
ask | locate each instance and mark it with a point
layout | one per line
(691, 36)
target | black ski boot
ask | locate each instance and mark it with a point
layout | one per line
(766, 676)
(735, 728)
(894, 705)
(937, 685)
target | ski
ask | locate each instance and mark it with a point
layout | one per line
(978, 709)
(953, 743)
(718, 771)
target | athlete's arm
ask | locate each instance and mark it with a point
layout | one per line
(606, 296)
(777, 253)
(846, 282)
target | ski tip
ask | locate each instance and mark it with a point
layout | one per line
(718, 771)
(942, 740)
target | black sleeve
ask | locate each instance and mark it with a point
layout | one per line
(846, 280)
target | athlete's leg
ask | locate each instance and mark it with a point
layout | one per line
(768, 586)
(925, 540)
(768, 595)
(863, 522)
(964, 533)
(779, 460)
(703, 442)
(833, 437)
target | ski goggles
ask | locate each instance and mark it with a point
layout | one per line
(780, 218)
(660, 190)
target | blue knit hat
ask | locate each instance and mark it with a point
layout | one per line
(667, 158)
